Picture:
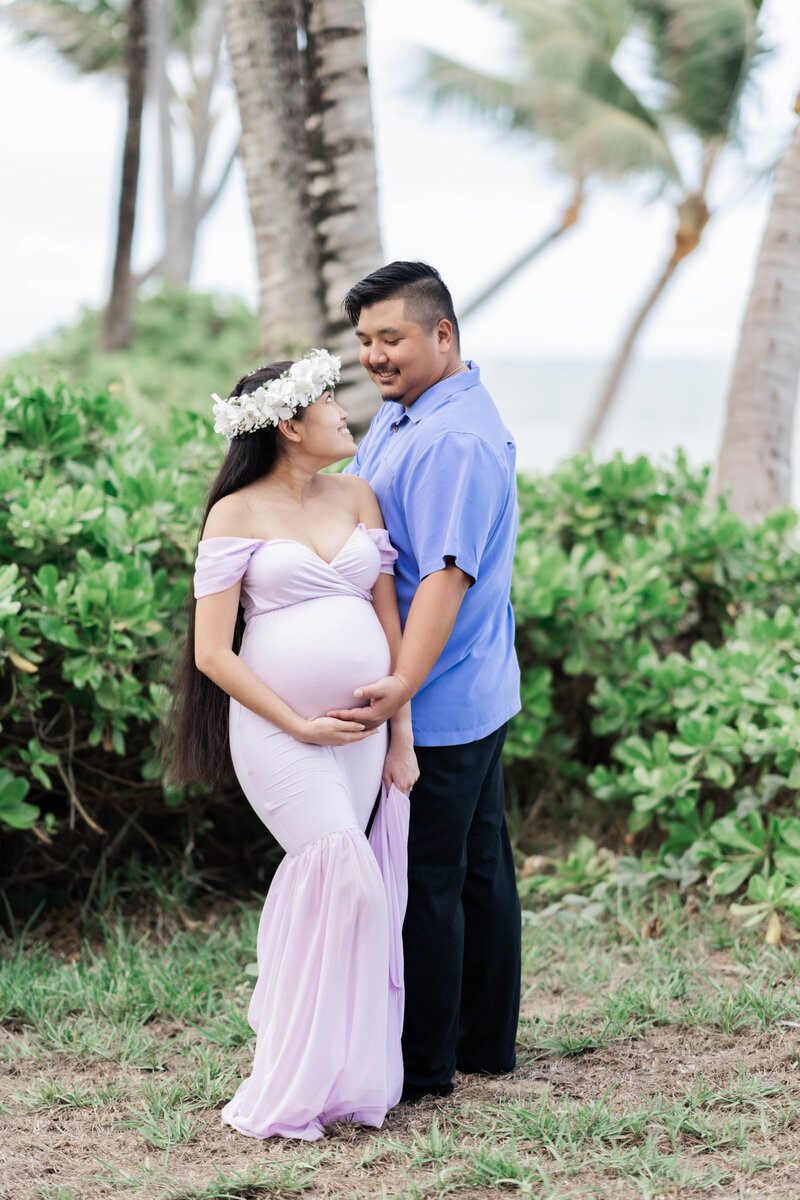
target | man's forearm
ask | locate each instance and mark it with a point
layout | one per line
(429, 623)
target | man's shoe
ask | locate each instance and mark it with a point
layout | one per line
(412, 1092)
(467, 1068)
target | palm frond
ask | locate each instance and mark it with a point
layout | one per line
(704, 51)
(566, 87)
(187, 21)
(89, 35)
(614, 143)
(601, 23)
(500, 100)
(576, 41)
(566, 54)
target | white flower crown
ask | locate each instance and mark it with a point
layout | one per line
(306, 379)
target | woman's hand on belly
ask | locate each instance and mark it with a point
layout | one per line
(330, 731)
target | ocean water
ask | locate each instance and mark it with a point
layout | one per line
(662, 405)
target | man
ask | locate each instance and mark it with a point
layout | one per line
(443, 468)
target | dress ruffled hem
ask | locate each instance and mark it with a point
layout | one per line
(328, 1004)
(313, 1130)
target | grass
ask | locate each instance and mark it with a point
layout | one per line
(649, 1066)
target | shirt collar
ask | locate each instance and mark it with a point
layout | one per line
(437, 395)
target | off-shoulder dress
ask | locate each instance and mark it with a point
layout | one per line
(327, 1007)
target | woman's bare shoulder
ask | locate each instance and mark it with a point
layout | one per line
(229, 517)
(351, 485)
(358, 493)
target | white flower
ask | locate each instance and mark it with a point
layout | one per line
(306, 379)
(281, 392)
(280, 399)
(284, 413)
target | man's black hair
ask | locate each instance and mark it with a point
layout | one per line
(426, 295)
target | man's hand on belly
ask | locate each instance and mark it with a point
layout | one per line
(429, 623)
(385, 697)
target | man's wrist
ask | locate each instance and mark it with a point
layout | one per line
(410, 688)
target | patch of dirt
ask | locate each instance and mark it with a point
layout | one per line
(665, 1061)
(91, 1150)
(70, 1148)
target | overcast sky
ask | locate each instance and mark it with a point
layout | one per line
(456, 193)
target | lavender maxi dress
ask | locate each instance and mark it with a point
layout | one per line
(327, 1008)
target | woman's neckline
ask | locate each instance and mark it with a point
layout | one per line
(290, 541)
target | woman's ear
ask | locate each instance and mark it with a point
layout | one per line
(290, 430)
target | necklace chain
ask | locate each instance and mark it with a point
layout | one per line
(460, 367)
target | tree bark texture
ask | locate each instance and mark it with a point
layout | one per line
(268, 74)
(117, 318)
(341, 181)
(755, 464)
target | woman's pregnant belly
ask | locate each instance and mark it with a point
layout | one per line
(316, 653)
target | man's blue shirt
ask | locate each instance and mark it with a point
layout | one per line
(444, 475)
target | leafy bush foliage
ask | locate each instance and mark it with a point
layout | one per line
(97, 534)
(185, 346)
(658, 636)
(660, 649)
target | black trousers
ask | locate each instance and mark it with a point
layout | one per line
(461, 935)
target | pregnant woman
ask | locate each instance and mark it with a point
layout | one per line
(295, 607)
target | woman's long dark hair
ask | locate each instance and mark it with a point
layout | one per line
(194, 742)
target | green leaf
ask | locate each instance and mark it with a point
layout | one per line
(729, 877)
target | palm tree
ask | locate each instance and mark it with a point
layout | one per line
(564, 91)
(190, 33)
(307, 147)
(266, 62)
(341, 176)
(102, 36)
(694, 60)
(703, 53)
(755, 463)
(91, 36)
(116, 334)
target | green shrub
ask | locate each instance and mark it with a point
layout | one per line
(97, 535)
(660, 653)
(658, 637)
(185, 346)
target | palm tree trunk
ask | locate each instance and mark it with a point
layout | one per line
(693, 216)
(184, 209)
(620, 364)
(571, 215)
(160, 88)
(210, 198)
(117, 318)
(341, 178)
(201, 135)
(207, 202)
(755, 464)
(267, 71)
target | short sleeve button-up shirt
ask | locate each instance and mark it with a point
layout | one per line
(444, 474)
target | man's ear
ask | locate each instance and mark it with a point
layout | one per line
(444, 333)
